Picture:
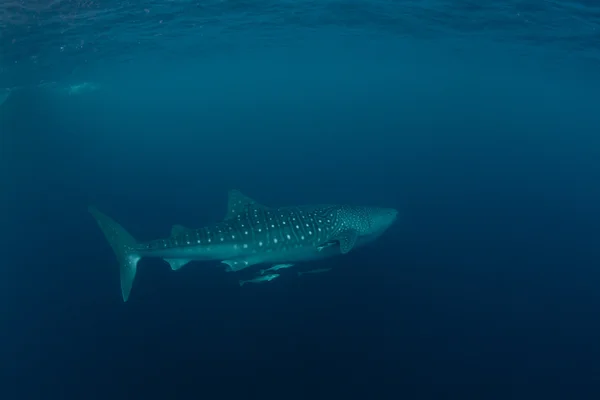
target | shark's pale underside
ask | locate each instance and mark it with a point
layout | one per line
(252, 234)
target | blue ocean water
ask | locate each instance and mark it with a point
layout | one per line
(477, 120)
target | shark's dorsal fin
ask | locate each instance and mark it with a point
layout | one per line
(239, 203)
(347, 239)
(178, 229)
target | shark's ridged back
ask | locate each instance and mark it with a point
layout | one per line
(275, 229)
(262, 229)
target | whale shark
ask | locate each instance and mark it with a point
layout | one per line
(252, 233)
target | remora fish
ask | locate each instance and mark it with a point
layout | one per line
(276, 268)
(263, 278)
(252, 234)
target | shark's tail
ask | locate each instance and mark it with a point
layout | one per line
(124, 245)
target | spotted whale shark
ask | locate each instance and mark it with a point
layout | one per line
(250, 234)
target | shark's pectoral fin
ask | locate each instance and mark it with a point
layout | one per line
(237, 264)
(238, 203)
(234, 265)
(176, 263)
(178, 229)
(347, 240)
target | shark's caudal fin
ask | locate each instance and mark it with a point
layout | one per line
(123, 244)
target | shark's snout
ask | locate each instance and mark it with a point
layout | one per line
(382, 219)
(390, 213)
(393, 215)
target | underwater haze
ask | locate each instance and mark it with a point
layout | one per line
(478, 121)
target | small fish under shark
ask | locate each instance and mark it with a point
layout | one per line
(251, 234)
(262, 278)
(276, 267)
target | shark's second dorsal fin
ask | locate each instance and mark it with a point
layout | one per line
(239, 203)
(178, 229)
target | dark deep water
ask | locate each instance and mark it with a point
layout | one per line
(487, 287)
